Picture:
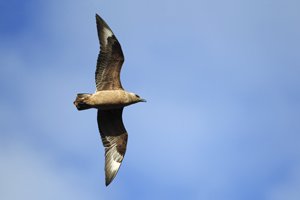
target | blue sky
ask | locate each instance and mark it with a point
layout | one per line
(223, 89)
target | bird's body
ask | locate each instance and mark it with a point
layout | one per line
(109, 99)
(106, 99)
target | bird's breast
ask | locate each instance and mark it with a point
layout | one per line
(109, 99)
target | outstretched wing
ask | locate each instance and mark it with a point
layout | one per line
(110, 58)
(114, 138)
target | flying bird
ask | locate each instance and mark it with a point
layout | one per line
(109, 99)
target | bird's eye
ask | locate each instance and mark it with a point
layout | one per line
(137, 96)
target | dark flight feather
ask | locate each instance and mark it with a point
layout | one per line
(114, 137)
(110, 58)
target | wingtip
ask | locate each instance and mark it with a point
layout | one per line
(101, 21)
(97, 16)
(109, 179)
(98, 19)
(107, 183)
(102, 24)
(111, 172)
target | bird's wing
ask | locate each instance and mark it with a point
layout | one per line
(110, 58)
(114, 138)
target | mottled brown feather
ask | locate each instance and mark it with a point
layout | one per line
(110, 59)
(114, 137)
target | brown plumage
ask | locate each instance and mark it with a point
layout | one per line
(110, 59)
(110, 98)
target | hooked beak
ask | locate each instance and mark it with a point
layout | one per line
(143, 100)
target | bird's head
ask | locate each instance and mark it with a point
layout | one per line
(136, 98)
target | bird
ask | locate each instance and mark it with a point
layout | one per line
(109, 99)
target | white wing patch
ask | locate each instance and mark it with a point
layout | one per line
(106, 33)
(115, 165)
(111, 165)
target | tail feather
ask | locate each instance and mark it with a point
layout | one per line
(80, 101)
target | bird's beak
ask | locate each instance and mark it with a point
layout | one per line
(143, 100)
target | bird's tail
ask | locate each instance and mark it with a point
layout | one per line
(81, 101)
